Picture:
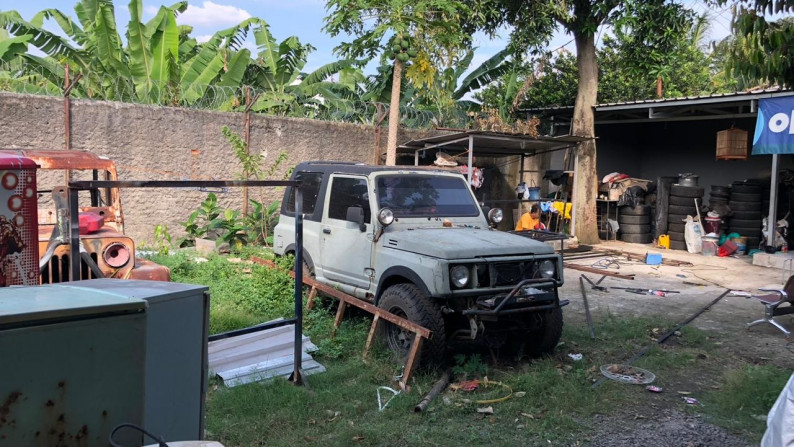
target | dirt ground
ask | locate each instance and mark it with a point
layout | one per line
(700, 284)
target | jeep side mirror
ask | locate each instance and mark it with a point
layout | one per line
(355, 214)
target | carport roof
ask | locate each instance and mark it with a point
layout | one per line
(691, 108)
(488, 144)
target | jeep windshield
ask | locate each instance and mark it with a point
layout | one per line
(426, 196)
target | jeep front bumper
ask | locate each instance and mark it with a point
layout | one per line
(529, 295)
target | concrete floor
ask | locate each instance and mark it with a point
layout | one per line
(698, 285)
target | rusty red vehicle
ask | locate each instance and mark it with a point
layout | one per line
(105, 250)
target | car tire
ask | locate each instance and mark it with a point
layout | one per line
(677, 209)
(542, 341)
(686, 191)
(635, 229)
(739, 223)
(681, 201)
(637, 238)
(407, 301)
(746, 197)
(677, 245)
(676, 227)
(746, 188)
(634, 220)
(676, 217)
(676, 235)
(639, 210)
(745, 206)
(746, 215)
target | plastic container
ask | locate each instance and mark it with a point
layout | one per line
(712, 224)
(710, 245)
(664, 241)
(741, 244)
(534, 192)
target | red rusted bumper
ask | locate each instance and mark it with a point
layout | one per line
(148, 270)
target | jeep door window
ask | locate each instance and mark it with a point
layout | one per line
(426, 196)
(347, 192)
(311, 188)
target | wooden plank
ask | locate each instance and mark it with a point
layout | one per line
(310, 298)
(596, 271)
(340, 313)
(350, 299)
(371, 335)
(411, 362)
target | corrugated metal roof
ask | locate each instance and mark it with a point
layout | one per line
(259, 356)
(488, 143)
(701, 99)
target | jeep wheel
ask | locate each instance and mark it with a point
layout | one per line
(407, 301)
(543, 340)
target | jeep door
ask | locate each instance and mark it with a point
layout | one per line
(346, 246)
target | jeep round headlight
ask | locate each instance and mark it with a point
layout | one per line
(546, 269)
(495, 215)
(116, 255)
(385, 217)
(459, 276)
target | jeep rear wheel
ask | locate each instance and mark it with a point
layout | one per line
(544, 339)
(407, 301)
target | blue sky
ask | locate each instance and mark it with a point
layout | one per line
(303, 18)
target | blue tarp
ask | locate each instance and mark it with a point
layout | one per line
(774, 129)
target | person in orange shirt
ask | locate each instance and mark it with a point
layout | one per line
(530, 220)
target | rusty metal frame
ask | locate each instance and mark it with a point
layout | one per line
(420, 333)
(74, 235)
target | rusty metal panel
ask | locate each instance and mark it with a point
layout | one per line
(78, 366)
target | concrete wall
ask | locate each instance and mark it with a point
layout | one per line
(161, 143)
(651, 150)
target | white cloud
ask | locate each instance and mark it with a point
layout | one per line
(203, 38)
(150, 10)
(212, 14)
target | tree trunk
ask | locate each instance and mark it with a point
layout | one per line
(585, 188)
(394, 114)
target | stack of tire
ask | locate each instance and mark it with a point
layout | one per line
(746, 211)
(720, 195)
(681, 205)
(635, 224)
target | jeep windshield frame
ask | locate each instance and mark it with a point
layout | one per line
(420, 196)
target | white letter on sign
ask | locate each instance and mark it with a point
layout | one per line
(780, 121)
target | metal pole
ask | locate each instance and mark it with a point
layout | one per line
(471, 157)
(771, 222)
(74, 234)
(296, 374)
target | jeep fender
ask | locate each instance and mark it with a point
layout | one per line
(307, 258)
(399, 271)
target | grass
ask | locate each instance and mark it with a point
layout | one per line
(558, 405)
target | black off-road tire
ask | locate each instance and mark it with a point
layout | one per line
(543, 341)
(634, 229)
(682, 201)
(678, 209)
(744, 206)
(639, 210)
(686, 191)
(746, 215)
(634, 220)
(750, 223)
(746, 188)
(637, 238)
(676, 235)
(677, 227)
(407, 301)
(676, 218)
(746, 197)
(677, 245)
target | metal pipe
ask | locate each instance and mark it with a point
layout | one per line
(298, 352)
(74, 233)
(437, 388)
(587, 306)
(771, 221)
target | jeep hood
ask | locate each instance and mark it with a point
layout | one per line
(461, 243)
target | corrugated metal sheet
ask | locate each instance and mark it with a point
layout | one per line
(259, 356)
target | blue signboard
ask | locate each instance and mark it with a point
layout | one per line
(774, 129)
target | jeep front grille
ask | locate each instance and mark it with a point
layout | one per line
(504, 273)
(58, 269)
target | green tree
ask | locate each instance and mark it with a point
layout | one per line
(761, 50)
(384, 26)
